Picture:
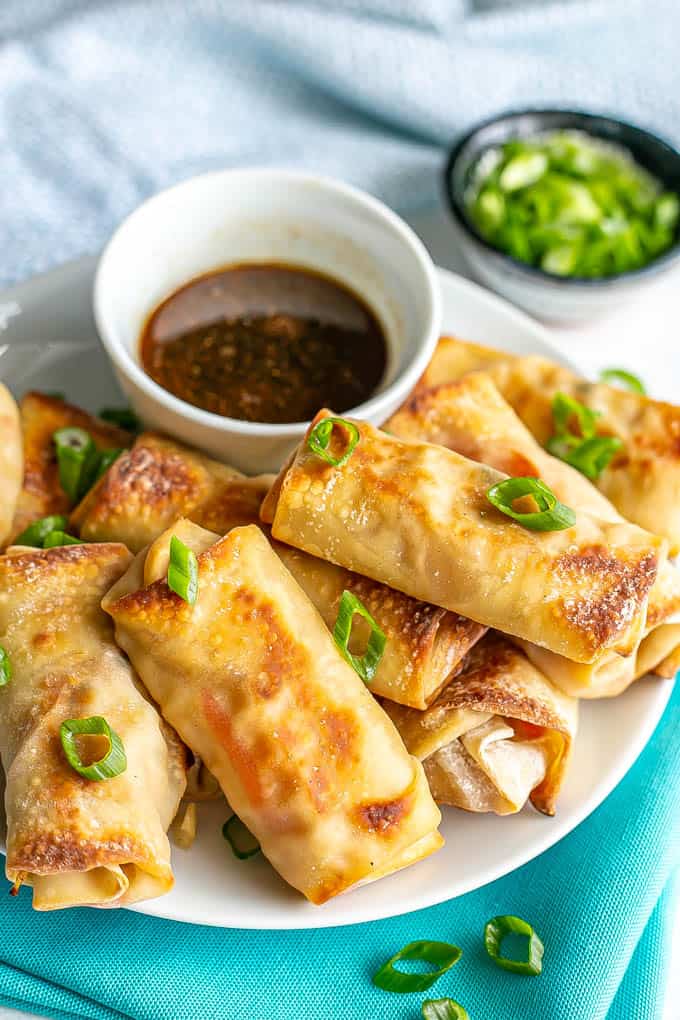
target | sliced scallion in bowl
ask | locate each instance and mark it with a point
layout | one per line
(571, 205)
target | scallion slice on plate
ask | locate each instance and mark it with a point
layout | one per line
(551, 514)
(319, 440)
(239, 837)
(584, 450)
(440, 955)
(123, 417)
(183, 571)
(36, 533)
(365, 665)
(57, 538)
(443, 1009)
(5, 667)
(77, 460)
(619, 376)
(505, 924)
(110, 765)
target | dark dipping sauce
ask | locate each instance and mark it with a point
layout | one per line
(265, 343)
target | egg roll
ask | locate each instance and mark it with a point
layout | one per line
(471, 417)
(147, 488)
(499, 735)
(643, 478)
(77, 841)
(41, 493)
(11, 460)
(158, 480)
(416, 517)
(250, 677)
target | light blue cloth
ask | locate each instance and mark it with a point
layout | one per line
(597, 900)
(103, 103)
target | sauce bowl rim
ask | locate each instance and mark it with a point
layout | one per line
(406, 379)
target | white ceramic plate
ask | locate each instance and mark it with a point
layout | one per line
(48, 342)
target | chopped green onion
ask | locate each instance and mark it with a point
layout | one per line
(56, 395)
(123, 417)
(441, 955)
(114, 761)
(319, 440)
(183, 571)
(56, 538)
(572, 204)
(443, 1009)
(495, 931)
(106, 459)
(551, 515)
(5, 668)
(564, 408)
(36, 533)
(586, 451)
(240, 838)
(365, 665)
(626, 379)
(590, 456)
(77, 460)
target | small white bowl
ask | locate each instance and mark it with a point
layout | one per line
(258, 216)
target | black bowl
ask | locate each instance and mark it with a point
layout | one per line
(557, 297)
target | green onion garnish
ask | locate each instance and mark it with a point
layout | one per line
(36, 533)
(56, 395)
(365, 665)
(114, 761)
(123, 417)
(240, 838)
(564, 408)
(77, 459)
(441, 955)
(106, 459)
(586, 451)
(319, 440)
(571, 204)
(551, 515)
(590, 456)
(443, 1009)
(626, 379)
(55, 538)
(183, 571)
(495, 931)
(5, 668)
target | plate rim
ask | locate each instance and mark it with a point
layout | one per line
(75, 270)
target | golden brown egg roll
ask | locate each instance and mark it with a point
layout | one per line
(11, 460)
(254, 684)
(41, 415)
(643, 478)
(416, 517)
(471, 417)
(78, 841)
(498, 735)
(146, 489)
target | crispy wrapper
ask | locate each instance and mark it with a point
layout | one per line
(416, 517)
(642, 480)
(498, 735)
(75, 841)
(158, 480)
(147, 488)
(471, 417)
(41, 494)
(254, 684)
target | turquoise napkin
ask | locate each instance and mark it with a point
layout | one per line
(601, 900)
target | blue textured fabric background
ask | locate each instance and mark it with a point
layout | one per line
(102, 103)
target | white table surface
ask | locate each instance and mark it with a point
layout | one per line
(642, 336)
